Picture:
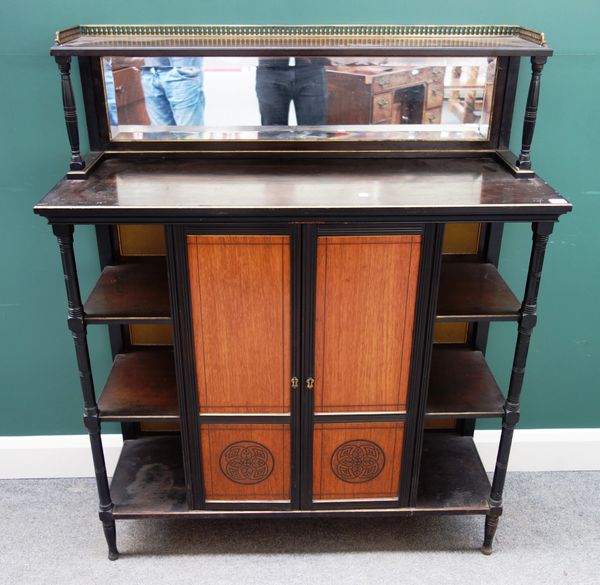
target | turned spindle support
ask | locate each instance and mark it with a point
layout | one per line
(531, 108)
(64, 66)
(77, 326)
(527, 321)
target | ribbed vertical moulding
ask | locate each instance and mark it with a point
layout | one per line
(76, 323)
(527, 321)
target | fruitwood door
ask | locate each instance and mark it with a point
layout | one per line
(243, 320)
(358, 364)
(298, 374)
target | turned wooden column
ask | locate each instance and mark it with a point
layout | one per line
(537, 64)
(527, 321)
(76, 323)
(64, 66)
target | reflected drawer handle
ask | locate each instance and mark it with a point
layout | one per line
(383, 102)
(431, 117)
(384, 82)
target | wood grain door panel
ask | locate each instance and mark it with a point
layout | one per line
(365, 304)
(355, 461)
(241, 309)
(243, 462)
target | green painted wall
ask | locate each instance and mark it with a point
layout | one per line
(39, 389)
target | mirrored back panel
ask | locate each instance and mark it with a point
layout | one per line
(309, 98)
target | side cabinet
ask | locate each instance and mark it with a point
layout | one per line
(298, 315)
(300, 349)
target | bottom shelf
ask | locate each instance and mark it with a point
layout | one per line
(452, 475)
(149, 478)
(149, 482)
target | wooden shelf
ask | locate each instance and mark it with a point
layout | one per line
(461, 385)
(140, 387)
(149, 478)
(130, 293)
(149, 482)
(473, 291)
(452, 476)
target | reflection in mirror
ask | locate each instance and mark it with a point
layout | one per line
(316, 98)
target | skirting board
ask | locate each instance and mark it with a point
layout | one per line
(69, 455)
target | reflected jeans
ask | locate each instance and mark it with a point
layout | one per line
(174, 95)
(111, 98)
(305, 85)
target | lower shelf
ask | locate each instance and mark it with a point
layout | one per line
(452, 475)
(149, 478)
(149, 482)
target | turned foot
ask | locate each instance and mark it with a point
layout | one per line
(491, 523)
(110, 533)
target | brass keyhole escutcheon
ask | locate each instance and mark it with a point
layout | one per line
(310, 383)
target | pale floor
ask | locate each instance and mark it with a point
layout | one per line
(549, 533)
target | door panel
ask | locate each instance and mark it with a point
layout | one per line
(302, 349)
(241, 310)
(365, 303)
(246, 462)
(357, 460)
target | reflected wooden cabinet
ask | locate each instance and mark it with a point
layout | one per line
(379, 94)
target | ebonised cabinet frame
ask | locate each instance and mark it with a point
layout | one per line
(301, 369)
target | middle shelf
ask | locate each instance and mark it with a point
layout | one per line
(141, 386)
(461, 385)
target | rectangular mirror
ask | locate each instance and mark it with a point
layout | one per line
(308, 98)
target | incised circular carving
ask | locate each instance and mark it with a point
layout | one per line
(246, 462)
(357, 461)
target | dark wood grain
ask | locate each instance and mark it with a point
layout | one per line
(130, 293)
(140, 386)
(149, 477)
(471, 291)
(462, 385)
(178, 190)
(452, 475)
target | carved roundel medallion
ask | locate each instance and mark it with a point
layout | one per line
(357, 461)
(246, 462)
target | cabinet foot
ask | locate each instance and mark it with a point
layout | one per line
(491, 523)
(110, 533)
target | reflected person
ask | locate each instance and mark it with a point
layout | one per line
(300, 80)
(173, 90)
(111, 96)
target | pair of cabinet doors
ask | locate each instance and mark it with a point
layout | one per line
(300, 348)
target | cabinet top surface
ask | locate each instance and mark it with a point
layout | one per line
(151, 190)
(144, 39)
